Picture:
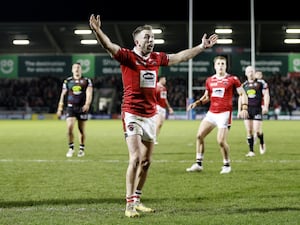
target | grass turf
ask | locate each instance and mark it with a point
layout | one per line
(39, 185)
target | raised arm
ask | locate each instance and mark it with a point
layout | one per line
(103, 39)
(190, 53)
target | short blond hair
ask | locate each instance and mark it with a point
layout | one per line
(139, 29)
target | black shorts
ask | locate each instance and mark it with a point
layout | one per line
(76, 112)
(255, 113)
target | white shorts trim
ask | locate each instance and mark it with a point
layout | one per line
(221, 120)
(138, 125)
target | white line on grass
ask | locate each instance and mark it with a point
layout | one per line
(283, 161)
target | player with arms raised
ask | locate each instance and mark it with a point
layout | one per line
(140, 67)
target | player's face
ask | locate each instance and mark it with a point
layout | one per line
(145, 41)
(249, 72)
(76, 70)
(220, 66)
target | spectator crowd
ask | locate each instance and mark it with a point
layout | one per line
(41, 94)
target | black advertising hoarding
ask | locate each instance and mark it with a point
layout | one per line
(45, 65)
(13, 66)
(268, 64)
(106, 66)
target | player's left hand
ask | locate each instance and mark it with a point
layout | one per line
(208, 43)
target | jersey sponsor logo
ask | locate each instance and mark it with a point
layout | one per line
(251, 93)
(76, 90)
(147, 79)
(148, 76)
(218, 92)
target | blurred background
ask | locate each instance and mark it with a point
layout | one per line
(40, 41)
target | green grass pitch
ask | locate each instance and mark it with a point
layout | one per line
(40, 186)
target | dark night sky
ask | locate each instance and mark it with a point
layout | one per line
(155, 10)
